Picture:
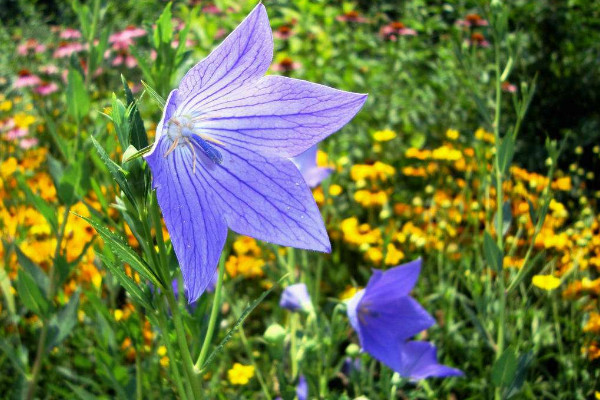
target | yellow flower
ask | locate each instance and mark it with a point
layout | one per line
(118, 315)
(335, 190)
(562, 184)
(393, 255)
(23, 120)
(247, 266)
(452, 134)
(593, 324)
(349, 292)
(161, 351)
(384, 135)
(546, 282)
(6, 105)
(8, 167)
(240, 374)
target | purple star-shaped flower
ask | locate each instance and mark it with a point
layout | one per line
(221, 155)
(307, 164)
(384, 316)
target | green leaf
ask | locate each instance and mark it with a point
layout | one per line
(17, 361)
(115, 170)
(520, 374)
(6, 289)
(78, 101)
(44, 208)
(504, 369)
(70, 182)
(138, 137)
(493, 254)
(506, 218)
(506, 153)
(124, 252)
(155, 96)
(164, 27)
(237, 324)
(31, 295)
(39, 276)
(63, 323)
(134, 290)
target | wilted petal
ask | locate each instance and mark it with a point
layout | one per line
(279, 115)
(197, 230)
(418, 360)
(243, 56)
(265, 197)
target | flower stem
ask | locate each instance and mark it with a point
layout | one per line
(162, 323)
(213, 317)
(188, 363)
(41, 347)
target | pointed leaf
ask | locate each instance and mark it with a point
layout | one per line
(493, 254)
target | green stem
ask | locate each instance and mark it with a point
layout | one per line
(499, 211)
(162, 323)
(213, 317)
(41, 347)
(188, 363)
(259, 376)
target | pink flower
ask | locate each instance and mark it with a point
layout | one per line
(28, 143)
(221, 32)
(16, 133)
(509, 87)
(70, 33)
(477, 39)
(284, 32)
(392, 30)
(188, 43)
(31, 45)
(472, 20)
(49, 69)
(352, 16)
(124, 58)
(46, 88)
(65, 49)
(122, 40)
(26, 79)
(286, 65)
(211, 9)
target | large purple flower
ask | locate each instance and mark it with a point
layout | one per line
(221, 156)
(384, 316)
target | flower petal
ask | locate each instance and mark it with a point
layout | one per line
(279, 115)
(245, 55)
(383, 322)
(265, 197)
(418, 360)
(168, 111)
(395, 282)
(197, 229)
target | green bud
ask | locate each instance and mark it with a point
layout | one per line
(274, 335)
(352, 350)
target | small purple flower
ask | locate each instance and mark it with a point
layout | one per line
(296, 298)
(221, 156)
(384, 316)
(302, 388)
(307, 164)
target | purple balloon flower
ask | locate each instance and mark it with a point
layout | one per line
(302, 388)
(385, 317)
(221, 156)
(307, 164)
(296, 298)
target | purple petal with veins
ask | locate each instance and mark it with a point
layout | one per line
(221, 155)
